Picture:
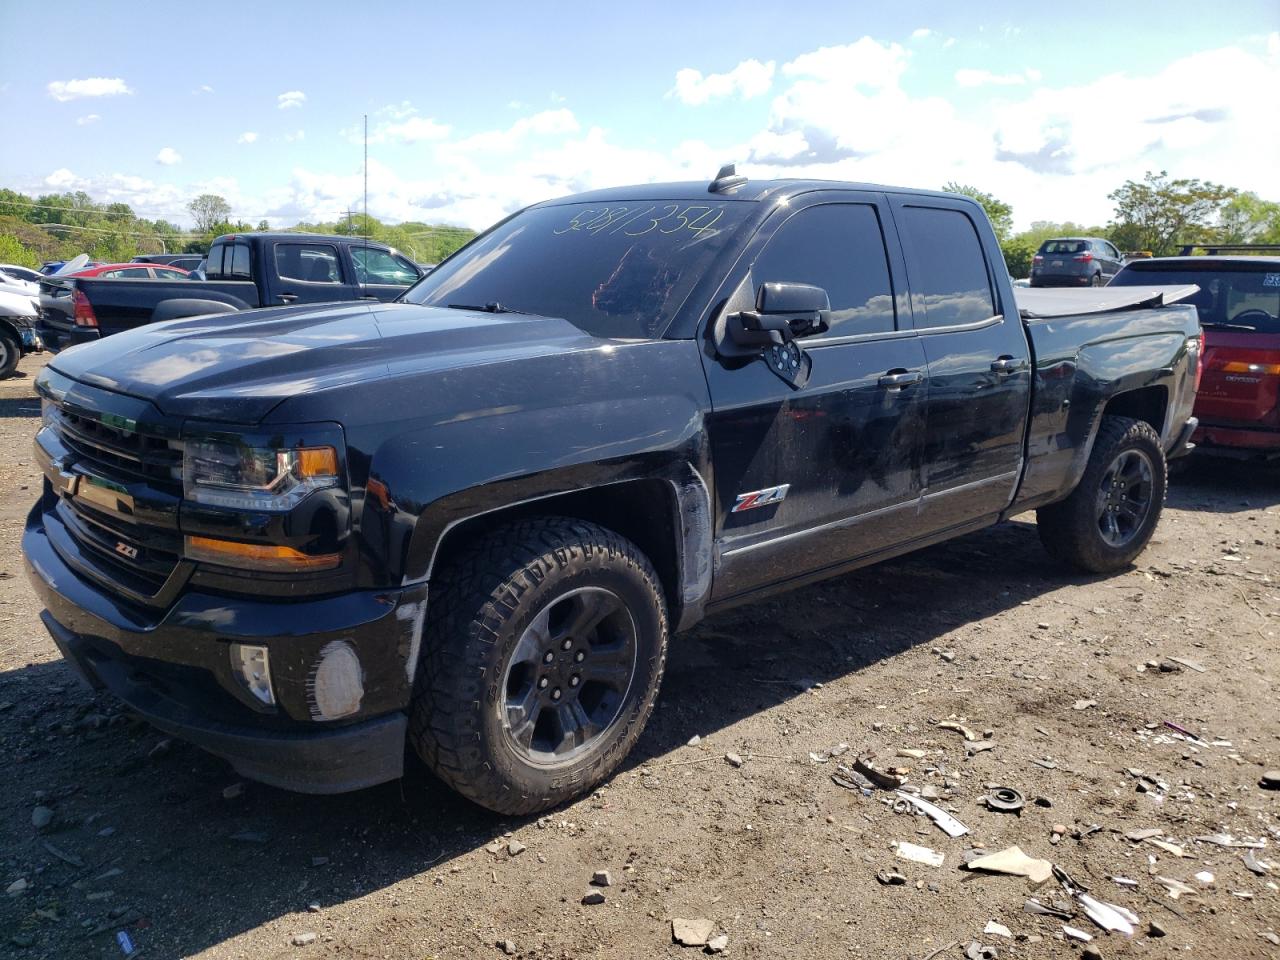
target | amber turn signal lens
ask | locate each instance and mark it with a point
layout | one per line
(318, 462)
(256, 556)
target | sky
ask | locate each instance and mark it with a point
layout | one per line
(475, 110)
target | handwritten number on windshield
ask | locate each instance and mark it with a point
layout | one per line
(697, 219)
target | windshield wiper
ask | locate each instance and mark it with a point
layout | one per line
(493, 306)
(1216, 325)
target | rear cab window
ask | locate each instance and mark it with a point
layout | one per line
(947, 270)
(230, 260)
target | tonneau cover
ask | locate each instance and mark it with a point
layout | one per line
(1038, 302)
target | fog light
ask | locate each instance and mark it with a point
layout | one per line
(336, 686)
(254, 667)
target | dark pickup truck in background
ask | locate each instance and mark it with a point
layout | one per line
(244, 271)
(469, 520)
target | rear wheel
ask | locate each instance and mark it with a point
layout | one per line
(542, 658)
(10, 354)
(1096, 281)
(1112, 513)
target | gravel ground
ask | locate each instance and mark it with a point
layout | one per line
(165, 840)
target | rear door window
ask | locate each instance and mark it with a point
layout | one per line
(946, 268)
(308, 262)
(839, 247)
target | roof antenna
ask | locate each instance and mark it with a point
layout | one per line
(726, 179)
(364, 276)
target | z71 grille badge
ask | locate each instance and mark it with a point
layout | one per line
(761, 498)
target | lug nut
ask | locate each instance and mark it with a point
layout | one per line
(567, 645)
(548, 657)
(579, 657)
(574, 681)
(555, 694)
(542, 683)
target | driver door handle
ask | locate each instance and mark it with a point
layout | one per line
(897, 379)
(287, 297)
(1007, 365)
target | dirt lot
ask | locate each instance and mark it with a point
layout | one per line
(777, 855)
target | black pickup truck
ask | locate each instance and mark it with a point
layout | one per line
(469, 520)
(244, 271)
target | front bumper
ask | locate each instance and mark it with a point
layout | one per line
(173, 667)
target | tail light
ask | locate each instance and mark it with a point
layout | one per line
(1038, 258)
(1247, 361)
(84, 315)
(1083, 257)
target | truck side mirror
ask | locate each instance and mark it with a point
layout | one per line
(784, 311)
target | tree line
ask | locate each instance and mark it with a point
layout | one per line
(1153, 216)
(59, 226)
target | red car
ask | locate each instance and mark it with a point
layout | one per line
(134, 271)
(1238, 402)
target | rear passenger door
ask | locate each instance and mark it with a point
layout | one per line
(308, 272)
(808, 479)
(978, 361)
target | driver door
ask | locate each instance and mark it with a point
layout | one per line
(808, 479)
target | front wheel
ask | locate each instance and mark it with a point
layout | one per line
(10, 354)
(1112, 513)
(542, 656)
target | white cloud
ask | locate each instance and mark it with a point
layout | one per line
(920, 33)
(295, 136)
(87, 119)
(982, 78)
(168, 156)
(748, 79)
(247, 137)
(291, 98)
(64, 90)
(203, 88)
(949, 42)
(62, 177)
(415, 129)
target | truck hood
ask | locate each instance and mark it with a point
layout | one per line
(236, 367)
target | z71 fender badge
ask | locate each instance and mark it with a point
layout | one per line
(760, 498)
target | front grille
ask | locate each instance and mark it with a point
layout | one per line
(122, 513)
(117, 451)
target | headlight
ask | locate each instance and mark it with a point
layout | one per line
(252, 478)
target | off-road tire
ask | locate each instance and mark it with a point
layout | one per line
(10, 354)
(480, 607)
(1070, 530)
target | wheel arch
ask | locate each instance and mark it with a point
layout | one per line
(668, 518)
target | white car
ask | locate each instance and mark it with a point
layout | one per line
(18, 315)
(21, 273)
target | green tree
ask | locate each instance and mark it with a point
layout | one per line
(208, 210)
(998, 212)
(1159, 214)
(1247, 218)
(13, 251)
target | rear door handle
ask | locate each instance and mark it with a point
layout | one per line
(1007, 365)
(287, 297)
(897, 379)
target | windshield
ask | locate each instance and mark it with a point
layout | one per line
(614, 270)
(1246, 297)
(1064, 246)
